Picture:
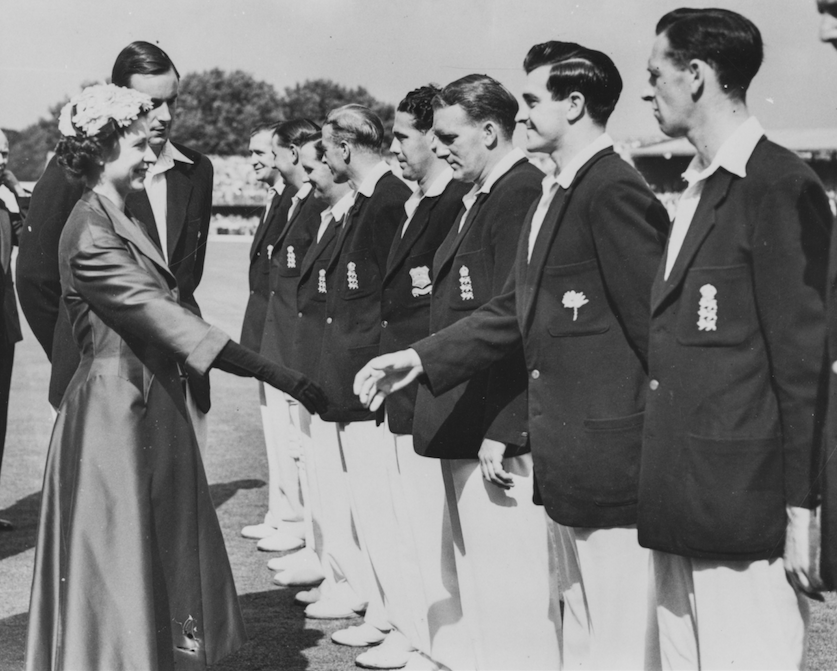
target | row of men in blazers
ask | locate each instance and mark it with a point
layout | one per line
(677, 464)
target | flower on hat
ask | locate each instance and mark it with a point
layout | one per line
(100, 107)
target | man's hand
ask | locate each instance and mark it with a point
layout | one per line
(491, 462)
(7, 177)
(802, 540)
(386, 374)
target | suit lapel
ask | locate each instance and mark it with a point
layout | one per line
(264, 225)
(348, 222)
(714, 192)
(447, 251)
(316, 249)
(178, 191)
(402, 245)
(140, 207)
(292, 219)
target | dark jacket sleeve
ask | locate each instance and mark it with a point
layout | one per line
(629, 227)
(790, 259)
(206, 175)
(38, 282)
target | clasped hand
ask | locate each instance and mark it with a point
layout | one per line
(386, 374)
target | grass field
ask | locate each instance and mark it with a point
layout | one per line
(280, 637)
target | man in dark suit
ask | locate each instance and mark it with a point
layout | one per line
(352, 140)
(734, 413)
(577, 301)
(479, 426)
(429, 613)
(175, 209)
(284, 502)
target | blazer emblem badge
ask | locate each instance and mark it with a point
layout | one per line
(708, 309)
(270, 251)
(466, 288)
(574, 300)
(291, 257)
(351, 276)
(321, 283)
(421, 281)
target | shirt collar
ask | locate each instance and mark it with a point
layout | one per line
(437, 188)
(371, 180)
(565, 178)
(503, 166)
(165, 161)
(733, 155)
(303, 192)
(339, 209)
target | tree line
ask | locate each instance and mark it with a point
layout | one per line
(215, 112)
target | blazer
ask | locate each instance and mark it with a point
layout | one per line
(311, 292)
(353, 302)
(289, 251)
(470, 268)
(828, 564)
(600, 239)
(733, 418)
(408, 285)
(259, 273)
(189, 208)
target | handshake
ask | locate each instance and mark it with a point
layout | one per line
(386, 374)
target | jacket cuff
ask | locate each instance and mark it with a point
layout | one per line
(201, 358)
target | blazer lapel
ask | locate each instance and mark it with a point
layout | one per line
(134, 232)
(315, 249)
(714, 192)
(178, 191)
(292, 219)
(264, 224)
(402, 245)
(140, 207)
(348, 222)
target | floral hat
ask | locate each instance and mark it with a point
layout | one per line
(102, 108)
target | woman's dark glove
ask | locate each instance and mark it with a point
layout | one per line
(243, 362)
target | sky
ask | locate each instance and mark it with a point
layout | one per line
(49, 47)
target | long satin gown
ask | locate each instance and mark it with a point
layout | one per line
(131, 571)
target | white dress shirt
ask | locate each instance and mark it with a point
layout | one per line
(436, 188)
(156, 188)
(503, 166)
(564, 179)
(335, 212)
(367, 186)
(304, 190)
(732, 156)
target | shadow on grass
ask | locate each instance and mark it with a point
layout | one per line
(275, 626)
(24, 515)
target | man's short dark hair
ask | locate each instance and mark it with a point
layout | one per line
(263, 128)
(294, 131)
(482, 98)
(140, 58)
(357, 125)
(317, 139)
(575, 68)
(729, 42)
(419, 103)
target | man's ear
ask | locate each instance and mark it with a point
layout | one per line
(490, 133)
(699, 72)
(345, 151)
(577, 106)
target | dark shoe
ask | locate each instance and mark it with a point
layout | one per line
(5, 525)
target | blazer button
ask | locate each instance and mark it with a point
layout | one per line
(329, 320)
(384, 324)
(272, 293)
(536, 374)
(654, 384)
(299, 315)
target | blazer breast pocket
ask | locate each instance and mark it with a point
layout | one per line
(357, 275)
(717, 307)
(288, 258)
(470, 286)
(419, 271)
(576, 301)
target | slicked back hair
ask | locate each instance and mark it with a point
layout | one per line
(261, 128)
(317, 138)
(294, 131)
(577, 68)
(482, 98)
(357, 125)
(419, 103)
(729, 42)
(140, 58)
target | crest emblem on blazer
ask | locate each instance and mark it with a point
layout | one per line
(351, 275)
(420, 278)
(708, 309)
(321, 281)
(270, 251)
(466, 288)
(574, 300)
(291, 257)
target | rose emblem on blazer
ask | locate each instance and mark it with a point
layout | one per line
(466, 288)
(420, 278)
(708, 309)
(351, 275)
(291, 257)
(270, 251)
(321, 281)
(574, 300)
